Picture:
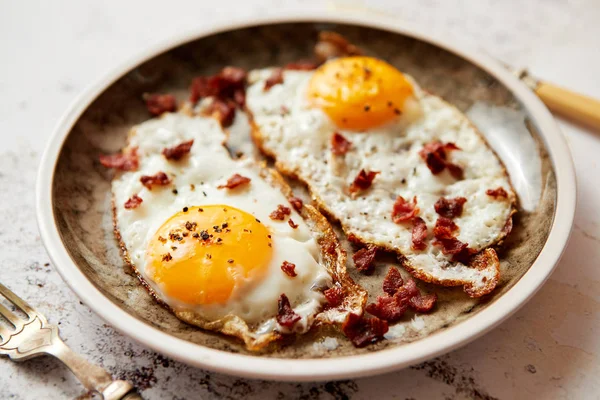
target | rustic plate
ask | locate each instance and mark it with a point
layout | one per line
(73, 192)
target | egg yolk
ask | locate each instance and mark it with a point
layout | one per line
(201, 254)
(358, 93)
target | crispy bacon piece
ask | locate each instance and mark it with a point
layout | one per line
(450, 208)
(160, 103)
(419, 234)
(293, 224)
(435, 154)
(128, 161)
(363, 331)
(177, 152)
(286, 316)
(404, 211)
(334, 296)
(332, 45)
(393, 281)
(423, 303)
(223, 85)
(296, 203)
(159, 179)
(275, 79)
(364, 258)
(444, 228)
(455, 170)
(496, 193)
(408, 290)
(451, 246)
(388, 308)
(339, 144)
(133, 202)
(235, 181)
(222, 110)
(280, 213)
(289, 269)
(363, 180)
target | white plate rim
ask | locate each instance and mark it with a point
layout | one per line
(330, 368)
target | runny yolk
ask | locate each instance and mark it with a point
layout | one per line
(359, 93)
(201, 254)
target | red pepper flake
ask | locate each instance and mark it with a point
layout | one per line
(393, 281)
(160, 179)
(275, 79)
(127, 161)
(286, 316)
(435, 154)
(292, 224)
(177, 152)
(133, 202)
(419, 234)
(235, 181)
(221, 110)
(302, 65)
(334, 296)
(363, 331)
(296, 203)
(364, 258)
(450, 208)
(404, 211)
(496, 193)
(160, 103)
(339, 144)
(289, 269)
(280, 213)
(363, 180)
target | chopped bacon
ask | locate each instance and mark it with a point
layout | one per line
(419, 234)
(302, 65)
(444, 228)
(451, 246)
(334, 296)
(296, 203)
(423, 303)
(275, 79)
(332, 45)
(177, 152)
(339, 144)
(159, 179)
(408, 290)
(286, 316)
(389, 308)
(221, 110)
(239, 97)
(435, 154)
(404, 211)
(289, 269)
(223, 85)
(450, 208)
(363, 180)
(496, 193)
(363, 331)
(235, 181)
(393, 281)
(128, 161)
(280, 213)
(364, 258)
(160, 103)
(133, 202)
(292, 224)
(455, 170)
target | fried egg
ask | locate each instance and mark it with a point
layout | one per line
(387, 119)
(211, 253)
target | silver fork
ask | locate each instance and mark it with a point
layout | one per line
(34, 337)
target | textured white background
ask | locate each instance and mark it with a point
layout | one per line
(51, 50)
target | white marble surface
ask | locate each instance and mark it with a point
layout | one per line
(50, 51)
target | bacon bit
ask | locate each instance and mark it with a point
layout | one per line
(363, 180)
(435, 154)
(450, 208)
(393, 281)
(404, 211)
(423, 303)
(408, 290)
(235, 181)
(280, 213)
(222, 85)
(363, 331)
(388, 308)
(292, 224)
(364, 258)
(289, 269)
(133, 202)
(160, 103)
(339, 144)
(221, 110)
(122, 161)
(302, 65)
(286, 316)
(444, 228)
(239, 97)
(464, 256)
(160, 179)
(496, 193)
(392, 306)
(419, 234)
(332, 45)
(177, 152)
(455, 170)
(451, 246)
(275, 79)
(296, 203)
(334, 296)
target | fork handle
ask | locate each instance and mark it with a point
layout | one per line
(93, 377)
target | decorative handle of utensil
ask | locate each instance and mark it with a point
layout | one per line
(578, 107)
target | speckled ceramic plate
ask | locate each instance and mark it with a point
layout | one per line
(73, 192)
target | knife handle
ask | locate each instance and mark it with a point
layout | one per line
(578, 107)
